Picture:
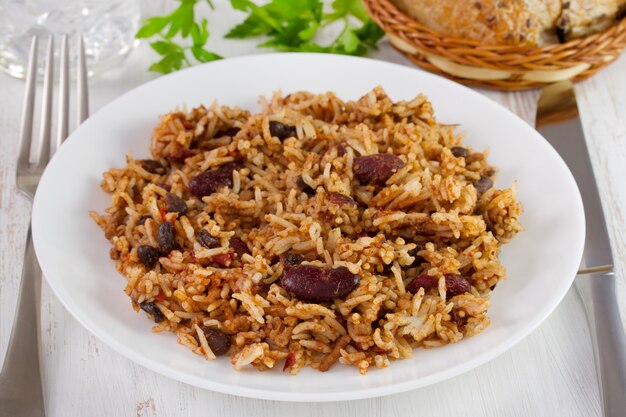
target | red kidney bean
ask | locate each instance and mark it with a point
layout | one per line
(175, 204)
(340, 199)
(165, 237)
(459, 151)
(153, 167)
(425, 281)
(312, 283)
(217, 340)
(206, 240)
(147, 255)
(376, 169)
(483, 184)
(151, 308)
(212, 181)
(456, 285)
(239, 246)
(282, 131)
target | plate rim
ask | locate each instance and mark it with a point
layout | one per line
(290, 396)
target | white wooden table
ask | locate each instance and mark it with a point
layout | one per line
(550, 373)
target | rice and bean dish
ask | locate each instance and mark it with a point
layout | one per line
(316, 232)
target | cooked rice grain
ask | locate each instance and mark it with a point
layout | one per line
(298, 198)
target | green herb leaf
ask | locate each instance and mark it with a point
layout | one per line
(289, 9)
(370, 34)
(169, 63)
(251, 27)
(308, 33)
(348, 41)
(151, 27)
(199, 33)
(350, 7)
(181, 19)
(242, 5)
(186, 17)
(179, 23)
(292, 25)
(288, 25)
(203, 55)
(164, 47)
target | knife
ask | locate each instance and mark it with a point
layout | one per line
(558, 121)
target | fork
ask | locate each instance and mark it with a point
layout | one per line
(21, 390)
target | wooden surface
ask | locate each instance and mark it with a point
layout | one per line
(550, 373)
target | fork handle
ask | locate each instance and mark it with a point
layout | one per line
(609, 342)
(21, 393)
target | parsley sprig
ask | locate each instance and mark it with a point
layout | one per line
(180, 22)
(292, 25)
(287, 25)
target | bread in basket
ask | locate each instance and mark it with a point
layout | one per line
(509, 45)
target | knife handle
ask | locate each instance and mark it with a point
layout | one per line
(609, 342)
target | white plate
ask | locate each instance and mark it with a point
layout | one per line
(74, 253)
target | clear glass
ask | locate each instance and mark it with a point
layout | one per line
(107, 26)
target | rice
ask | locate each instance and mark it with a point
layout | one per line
(374, 197)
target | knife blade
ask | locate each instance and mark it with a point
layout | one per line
(559, 123)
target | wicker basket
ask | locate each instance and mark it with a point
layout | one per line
(497, 66)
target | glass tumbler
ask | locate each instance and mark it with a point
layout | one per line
(107, 26)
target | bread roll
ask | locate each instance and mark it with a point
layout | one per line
(584, 17)
(515, 22)
(488, 21)
(547, 12)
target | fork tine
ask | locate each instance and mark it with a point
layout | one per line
(46, 106)
(64, 94)
(81, 79)
(26, 129)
